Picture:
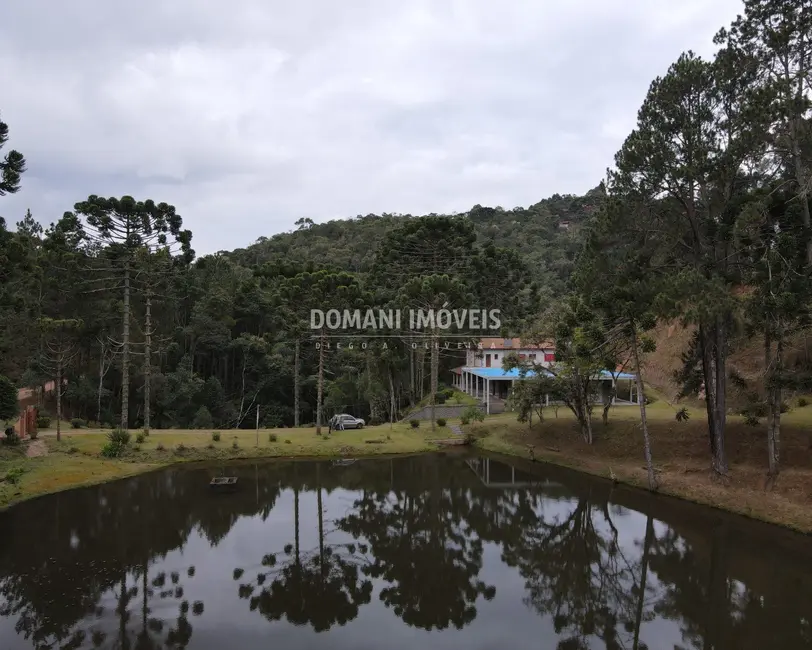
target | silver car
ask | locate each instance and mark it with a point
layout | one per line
(344, 421)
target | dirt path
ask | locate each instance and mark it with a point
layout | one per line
(36, 448)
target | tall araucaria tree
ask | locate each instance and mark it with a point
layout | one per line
(698, 130)
(126, 226)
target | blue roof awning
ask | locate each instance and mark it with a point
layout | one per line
(499, 373)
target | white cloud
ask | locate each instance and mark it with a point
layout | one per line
(249, 116)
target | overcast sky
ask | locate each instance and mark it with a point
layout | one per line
(249, 114)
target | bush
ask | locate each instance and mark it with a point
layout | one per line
(215, 436)
(440, 397)
(78, 423)
(414, 423)
(140, 437)
(472, 413)
(112, 450)
(119, 437)
(802, 401)
(751, 420)
(14, 474)
(756, 409)
(43, 421)
(785, 407)
(73, 450)
(235, 444)
(180, 448)
(159, 447)
(287, 441)
(210, 446)
(137, 448)
(272, 437)
(682, 415)
(202, 419)
(440, 422)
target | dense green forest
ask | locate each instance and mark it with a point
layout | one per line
(704, 217)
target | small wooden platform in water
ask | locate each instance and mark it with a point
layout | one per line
(222, 482)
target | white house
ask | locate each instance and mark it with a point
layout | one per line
(491, 352)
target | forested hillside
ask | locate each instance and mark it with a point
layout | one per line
(211, 340)
(546, 235)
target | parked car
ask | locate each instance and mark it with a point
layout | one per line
(347, 421)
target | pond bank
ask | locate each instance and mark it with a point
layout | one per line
(680, 456)
(681, 459)
(76, 460)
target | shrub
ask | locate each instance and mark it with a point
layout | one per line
(14, 474)
(287, 441)
(43, 421)
(756, 409)
(180, 448)
(235, 444)
(440, 422)
(751, 420)
(137, 448)
(202, 419)
(802, 401)
(472, 413)
(215, 436)
(465, 420)
(140, 437)
(785, 407)
(73, 450)
(440, 397)
(470, 439)
(112, 450)
(414, 423)
(117, 441)
(272, 437)
(682, 415)
(119, 437)
(159, 447)
(78, 423)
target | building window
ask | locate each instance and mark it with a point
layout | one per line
(508, 343)
(496, 357)
(549, 356)
(533, 356)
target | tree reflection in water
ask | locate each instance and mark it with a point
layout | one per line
(97, 568)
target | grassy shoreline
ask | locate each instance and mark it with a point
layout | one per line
(75, 461)
(680, 456)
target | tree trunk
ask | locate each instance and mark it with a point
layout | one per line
(125, 354)
(59, 398)
(391, 400)
(435, 369)
(147, 360)
(721, 394)
(642, 595)
(101, 384)
(641, 398)
(296, 381)
(320, 390)
(242, 390)
(772, 374)
(411, 378)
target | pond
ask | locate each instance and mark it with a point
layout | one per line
(436, 551)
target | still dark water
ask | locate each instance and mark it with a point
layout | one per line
(438, 551)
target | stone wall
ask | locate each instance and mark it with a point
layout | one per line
(441, 411)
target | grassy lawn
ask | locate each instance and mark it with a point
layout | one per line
(681, 456)
(76, 459)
